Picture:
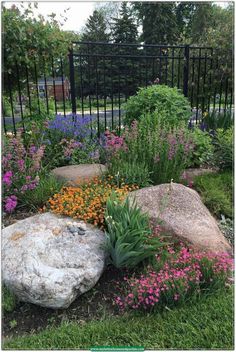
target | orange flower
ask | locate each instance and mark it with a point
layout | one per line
(88, 201)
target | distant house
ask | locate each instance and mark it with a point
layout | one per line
(58, 87)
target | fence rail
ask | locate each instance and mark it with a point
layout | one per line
(97, 78)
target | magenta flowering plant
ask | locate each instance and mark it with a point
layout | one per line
(113, 144)
(21, 170)
(186, 272)
(166, 151)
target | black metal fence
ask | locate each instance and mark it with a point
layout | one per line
(97, 78)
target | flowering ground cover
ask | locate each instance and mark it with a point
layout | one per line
(88, 202)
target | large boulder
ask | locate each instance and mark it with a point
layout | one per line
(50, 260)
(181, 213)
(74, 175)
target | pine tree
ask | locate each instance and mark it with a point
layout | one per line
(124, 28)
(124, 31)
(95, 28)
(158, 21)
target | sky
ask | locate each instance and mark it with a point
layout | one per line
(77, 14)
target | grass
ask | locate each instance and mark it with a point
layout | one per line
(8, 300)
(206, 324)
(216, 191)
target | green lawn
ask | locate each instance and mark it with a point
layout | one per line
(205, 324)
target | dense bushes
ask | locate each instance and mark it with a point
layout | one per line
(167, 103)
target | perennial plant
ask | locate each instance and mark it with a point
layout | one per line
(88, 201)
(185, 273)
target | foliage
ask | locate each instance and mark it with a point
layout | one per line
(171, 107)
(226, 226)
(96, 28)
(131, 172)
(184, 274)
(203, 148)
(128, 239)
(216, 191)
(6, 106)
(34, 199)
(27, 38)
(154, 18)
(215, 120)
(124, 29)
(21, 170)
(223, 143)
(166, 152)
(87, 202)
(8, 300)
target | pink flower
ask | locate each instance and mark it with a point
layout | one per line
(10, 203)
(7, 178)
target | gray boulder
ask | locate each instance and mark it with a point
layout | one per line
(74, 175)
(182, 214)
(50, 260)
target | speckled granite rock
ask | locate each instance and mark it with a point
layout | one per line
(182, 214)
(50, 260)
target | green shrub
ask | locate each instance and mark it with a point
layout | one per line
(168, 103)
(8, 300)
(130, 172)
(37, 198)
(203, 148)
(216, 191)
(127, 236)
(223, 143)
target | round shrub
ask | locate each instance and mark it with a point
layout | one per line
(169, 103)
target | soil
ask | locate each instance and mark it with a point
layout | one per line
(29, 318)
(9, 219)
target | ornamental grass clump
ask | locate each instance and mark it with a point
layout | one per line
(128, 240)
(185, 273)
(88, 201)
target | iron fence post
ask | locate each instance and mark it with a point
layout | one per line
(186, 70)
(72, 82)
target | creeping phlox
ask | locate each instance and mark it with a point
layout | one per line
(185, 273)
(88, 201)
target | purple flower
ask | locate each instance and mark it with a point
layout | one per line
(21, 164)
(7, 178)
(10, 203)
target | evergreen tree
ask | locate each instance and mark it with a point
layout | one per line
(124, 28)
(124, 31)
(95, 28)
(158, 21)
(93, 68)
